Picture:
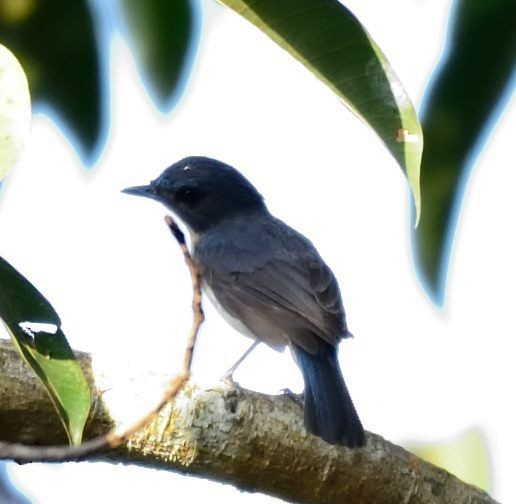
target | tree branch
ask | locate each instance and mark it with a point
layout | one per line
(253, 441)
(117, 437)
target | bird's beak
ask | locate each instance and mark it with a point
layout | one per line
(147, 191)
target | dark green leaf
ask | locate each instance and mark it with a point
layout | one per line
(471, 80)
(22, 307)
(328, 40)
(162, 34)
(55, 43)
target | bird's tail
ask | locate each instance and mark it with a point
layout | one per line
(329, 411)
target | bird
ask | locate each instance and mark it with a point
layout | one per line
(267, 279)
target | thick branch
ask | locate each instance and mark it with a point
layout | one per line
(117, 437)
(254, 441)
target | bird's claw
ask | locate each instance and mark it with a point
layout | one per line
(227, 379)
(297, 398)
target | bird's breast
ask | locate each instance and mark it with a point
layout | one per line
(234, 322)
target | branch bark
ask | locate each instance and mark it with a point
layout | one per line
(253, 441)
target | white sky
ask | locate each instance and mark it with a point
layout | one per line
(109, 266)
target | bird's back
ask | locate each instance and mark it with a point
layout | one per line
(272, 279)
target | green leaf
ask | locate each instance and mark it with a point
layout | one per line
(161, 33)
(466, 456)
(14, 110)
(55, 43)
(22, 309)
(471, 81)
(328, 40)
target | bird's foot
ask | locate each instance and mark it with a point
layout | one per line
(297, 398)
(227, 378)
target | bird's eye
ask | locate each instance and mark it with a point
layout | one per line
(188, 195)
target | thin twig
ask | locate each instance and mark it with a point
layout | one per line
(196, 287)
(113, 439)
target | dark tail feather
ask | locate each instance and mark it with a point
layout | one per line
(329, 411)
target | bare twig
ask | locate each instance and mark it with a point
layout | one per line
(196, 287)
(113, 439)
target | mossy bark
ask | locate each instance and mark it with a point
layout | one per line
(253, 441)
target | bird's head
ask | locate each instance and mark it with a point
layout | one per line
(202, 192)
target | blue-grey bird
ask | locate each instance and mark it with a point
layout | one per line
(267, 279)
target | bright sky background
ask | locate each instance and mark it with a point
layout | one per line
(108, 264)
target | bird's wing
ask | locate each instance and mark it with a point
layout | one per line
(282, 299)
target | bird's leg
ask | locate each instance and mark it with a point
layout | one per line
(228, 375)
